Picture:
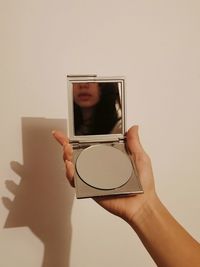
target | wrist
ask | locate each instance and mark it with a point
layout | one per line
(145, 211)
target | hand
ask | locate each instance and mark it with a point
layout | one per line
(128, 206)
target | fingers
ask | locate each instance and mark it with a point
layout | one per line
(67, 152)
(12, 186)
(67, 155)
(7, 202)
(70, 172)
(17, 167)
(64, 141)
(60, 137)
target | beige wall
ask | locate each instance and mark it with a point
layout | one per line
(155, 44)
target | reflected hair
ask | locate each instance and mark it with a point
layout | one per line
(106, 112)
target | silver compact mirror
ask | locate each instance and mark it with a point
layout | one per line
(96, 129)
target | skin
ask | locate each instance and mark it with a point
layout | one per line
(168, 243)
(86, 96)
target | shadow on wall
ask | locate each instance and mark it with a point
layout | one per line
(43, 199)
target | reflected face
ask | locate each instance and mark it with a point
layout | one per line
(86, 95)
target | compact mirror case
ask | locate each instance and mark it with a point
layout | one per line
(96, 129)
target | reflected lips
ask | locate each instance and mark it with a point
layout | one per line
(84, 96)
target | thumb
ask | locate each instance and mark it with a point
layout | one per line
(141, 159)
(133, 141)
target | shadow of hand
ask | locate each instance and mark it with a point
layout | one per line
(43, 199)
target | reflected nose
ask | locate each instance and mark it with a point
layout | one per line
(84, 85)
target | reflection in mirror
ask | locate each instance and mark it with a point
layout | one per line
(97, 108)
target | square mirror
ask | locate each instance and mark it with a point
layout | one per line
(96, 108)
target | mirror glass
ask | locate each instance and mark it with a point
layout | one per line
(97, 107)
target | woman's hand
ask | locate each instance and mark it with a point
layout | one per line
(125, 207)
(168, 243)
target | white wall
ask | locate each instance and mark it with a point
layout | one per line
(155, 44)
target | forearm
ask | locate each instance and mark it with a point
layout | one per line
(165, 239)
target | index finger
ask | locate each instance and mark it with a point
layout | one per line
(60, 137)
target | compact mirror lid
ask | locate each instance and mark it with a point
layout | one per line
(96, 108)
